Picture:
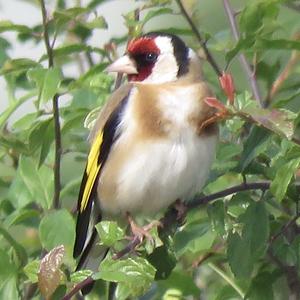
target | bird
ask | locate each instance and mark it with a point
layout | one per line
(151, 144)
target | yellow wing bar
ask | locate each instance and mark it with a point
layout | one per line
(92, 170)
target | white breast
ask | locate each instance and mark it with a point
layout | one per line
(160, 171)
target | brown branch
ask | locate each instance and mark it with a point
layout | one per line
(58, 148)
(203, 200)
(78, 287)
(246, 66)
(201, 41)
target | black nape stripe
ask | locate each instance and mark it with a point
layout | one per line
(181, 51)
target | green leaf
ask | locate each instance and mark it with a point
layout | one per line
(10, 289)
(8, 269)
(261, 287)
(283, 177)
(21, 216)
(254, 15)
(80, 276)
(97, 23)
(180, 281)
(255, 144)
(239, 256)
(256, 228)
(280, 122)
(164, 261)
(243, 251)
(37, 133)
(18, 65)
(39, 182)
(74, 48)
(64, 16)
(19, 193)
(19, 249)
(47, 81)
(154, 13)
(216, 213)
(135, 273)
(9, 26)
(57, 228)
(31, 270)
(195, 237)
(109, 232)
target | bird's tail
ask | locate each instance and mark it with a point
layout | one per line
(91, 258)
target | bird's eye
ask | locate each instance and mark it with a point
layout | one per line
(150, 57)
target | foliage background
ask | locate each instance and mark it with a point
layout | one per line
(239, 245)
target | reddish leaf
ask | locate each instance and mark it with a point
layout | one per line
(227, 84)
(214, 102)
(49, 273)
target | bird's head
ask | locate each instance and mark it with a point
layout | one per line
(156, 58)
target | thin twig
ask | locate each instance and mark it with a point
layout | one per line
(78, 287)
(263, 186)
(246, 66)
(284, 228)
(58, 148)
(209, 57)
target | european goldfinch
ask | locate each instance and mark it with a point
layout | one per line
(149, 146)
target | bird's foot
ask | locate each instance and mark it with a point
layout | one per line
(140, 233)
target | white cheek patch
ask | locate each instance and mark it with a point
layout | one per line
(165, 68)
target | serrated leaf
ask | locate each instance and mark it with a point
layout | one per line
(109, 232)
(31, 270)
(283, 178)
(49, 272)
(57, 228)
(136, 273)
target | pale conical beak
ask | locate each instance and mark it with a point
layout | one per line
(123, 64)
